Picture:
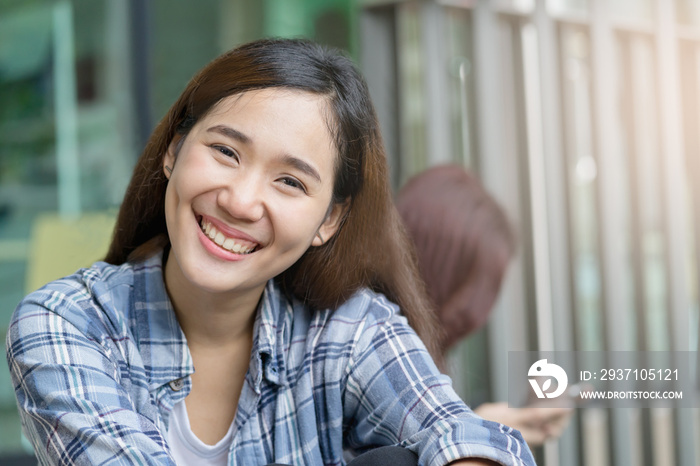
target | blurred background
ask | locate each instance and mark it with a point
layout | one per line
(582, 117)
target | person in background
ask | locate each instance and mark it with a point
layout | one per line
(257, 304)
(464, 244)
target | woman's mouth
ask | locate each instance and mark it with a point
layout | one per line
(234, 245)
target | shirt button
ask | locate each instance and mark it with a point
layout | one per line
(177, 385)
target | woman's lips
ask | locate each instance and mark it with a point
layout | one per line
(220, 237)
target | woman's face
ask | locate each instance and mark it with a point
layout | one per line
(250, 189)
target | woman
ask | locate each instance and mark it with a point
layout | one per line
(258, 243)
(464, 243)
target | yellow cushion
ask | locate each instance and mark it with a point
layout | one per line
(60, 246)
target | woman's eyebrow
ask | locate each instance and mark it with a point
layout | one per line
(230, 133)
(302, 166)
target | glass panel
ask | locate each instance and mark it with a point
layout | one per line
(185, 40)
(557, 7)
(645, 164)
(412, 62)
(412, 107)
(522, 6)
(639, 10)
(690, 81)
(691, 265)
(692, 120)
(688, 12)
(460, 57)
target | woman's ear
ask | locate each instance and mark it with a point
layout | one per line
(171, 155)
(332, 223)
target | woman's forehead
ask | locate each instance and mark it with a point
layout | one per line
(241, 99)
(238, 104)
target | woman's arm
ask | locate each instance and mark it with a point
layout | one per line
(396, 395)
(71, 396)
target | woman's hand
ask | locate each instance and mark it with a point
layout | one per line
(536, 424)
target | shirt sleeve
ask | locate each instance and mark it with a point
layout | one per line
(396, 395)
(73, 407)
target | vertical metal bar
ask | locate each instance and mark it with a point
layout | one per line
(595, 442)
(439, 139)
(498, 172)
(629, 110)
(675, 208)
(640, 149)
(663, 433)
(489, 125)
(611, 205)
(674, 170)
(498, 148)
(538, 187)
(554, 201)
(549, 229)
(607, 145)
(694, 163)
(66, 111)
(559, 286)
(466, 156)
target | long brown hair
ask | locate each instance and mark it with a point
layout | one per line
(371, 248)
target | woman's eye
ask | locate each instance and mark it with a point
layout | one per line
(293, 183)
(228, 152)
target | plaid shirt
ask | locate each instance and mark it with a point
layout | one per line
(98, 360)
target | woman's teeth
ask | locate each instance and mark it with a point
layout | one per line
(237, 246)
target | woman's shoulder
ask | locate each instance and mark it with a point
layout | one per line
(363, 314)
(85, 298)
(86, 284)
(368, 304)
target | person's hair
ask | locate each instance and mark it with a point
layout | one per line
(370, 249)
(464, 243)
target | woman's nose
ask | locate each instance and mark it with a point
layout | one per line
(243, 198)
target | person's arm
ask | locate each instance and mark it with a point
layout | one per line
(537, 423)
(396, 395)
(70, 390)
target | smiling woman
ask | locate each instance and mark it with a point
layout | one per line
(258, 243)
(259, 168)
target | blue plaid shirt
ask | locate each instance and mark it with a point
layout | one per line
(98, 360)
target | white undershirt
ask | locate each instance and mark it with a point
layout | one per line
(187, 449)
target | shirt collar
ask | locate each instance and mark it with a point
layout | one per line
(271, 337)
(160, 339)
(163, 345)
